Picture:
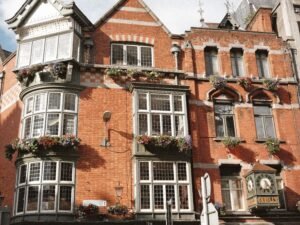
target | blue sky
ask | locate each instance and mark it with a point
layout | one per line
(178, 16)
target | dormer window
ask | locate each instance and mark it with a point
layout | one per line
(132, 55)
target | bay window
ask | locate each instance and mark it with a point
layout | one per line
(161, 114)
(160, 181)
(46, 186)
(132, 55)
(48, 49)
(50, 114)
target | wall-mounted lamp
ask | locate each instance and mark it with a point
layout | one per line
(119, 192)
(106, 119)
(1, 199)
(175, 49)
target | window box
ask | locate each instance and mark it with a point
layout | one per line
(165, 143)
(42, 145)
(231, 142)
(271, 84)
(272, 145)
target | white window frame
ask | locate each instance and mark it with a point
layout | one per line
(46, 112)
(139, 56)
(230, 189)
(151, 183)
(40, 184)
(150, 112)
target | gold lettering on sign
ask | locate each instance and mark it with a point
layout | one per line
(268, 200)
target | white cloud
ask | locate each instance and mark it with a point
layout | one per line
(177, 15)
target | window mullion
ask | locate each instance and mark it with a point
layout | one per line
(161, 124)
(139, 58)
(125, 55)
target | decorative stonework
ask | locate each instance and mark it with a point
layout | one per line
(10, 97)
(48, 28)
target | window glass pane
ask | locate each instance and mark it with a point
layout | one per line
(211, 61)
(38, 125)
(223, 109)
(226, 199)
(50, 49)
(23, 171)
(117, 57)
(143, 101)
(259, 127)
(240, 65)
(132, 58)
(48, 202)
(225, 184)
(163, 171)
(158, 197)
(143, 124)
(167, 126)
(144, 171)
(262, 110)
(219, 126)
(24, 54)
(32, 198)
(66, 172)
(265, 68)
(49, 171)
(145, 196)
(237, 200)
(53, 124)
(65, 198)
(27, 127)
(54, 101)
(155, 125)
(160, 102)
(146, 56)
(21, 200)
(178, 104)
(69, 124)
(183, 197)
(170, 194)
(37, 51)
(182, 171)
(76, 48)
(34, 174)
(70, 102)
(237, 62)
(29, 105)
(179, 126)
(40, 103)
(269, 126)
(230, 126)
(64, 46)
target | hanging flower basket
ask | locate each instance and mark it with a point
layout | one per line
(231, 142)
(218, 82)
(118, 210)
(89, 212)
(271, 84)
(165, 143)
(38, 146)
(245, 82)
(272, 145)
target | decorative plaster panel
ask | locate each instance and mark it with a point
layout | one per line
(10, 97)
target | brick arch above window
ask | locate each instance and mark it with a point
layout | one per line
(262, 94)
(225, 93)
(132, 38)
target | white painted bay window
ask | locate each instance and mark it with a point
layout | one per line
(45, 187)
(132, 55)
(47, 49)
(50, 114)
(161, 114)
(161, 181)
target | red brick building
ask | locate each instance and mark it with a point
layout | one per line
(154, 112)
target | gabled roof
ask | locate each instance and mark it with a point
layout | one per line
(3, 54)
(64, 9)
(228, 23)
(120, 3)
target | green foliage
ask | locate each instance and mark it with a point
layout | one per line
(183, 144)
(118, 209)
(217, 81)
(115, 72)
(273, 145)
(271, 84)
(231, 142)
(39, 145)
(245, 82)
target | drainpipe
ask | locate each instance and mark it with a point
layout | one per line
(296, 75)
(175, 51)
